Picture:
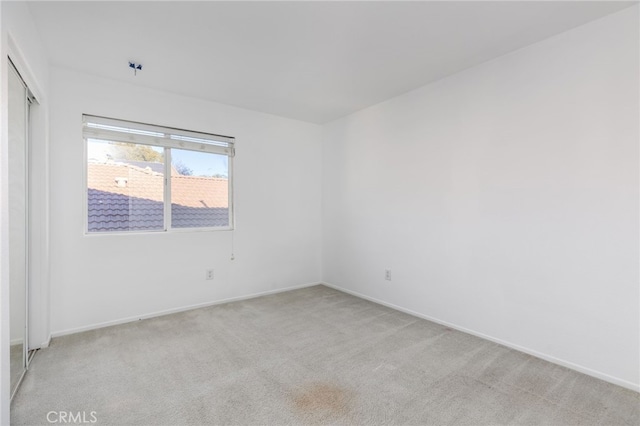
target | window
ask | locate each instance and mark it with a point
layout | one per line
(127, 165)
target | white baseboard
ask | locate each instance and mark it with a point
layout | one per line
(550, 358)
(174, 310)
(44, 344)
(40, 346)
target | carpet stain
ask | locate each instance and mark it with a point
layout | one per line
(323, 399)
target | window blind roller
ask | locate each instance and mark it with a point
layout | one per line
(109, 129)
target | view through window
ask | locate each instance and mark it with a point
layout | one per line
(127, 166)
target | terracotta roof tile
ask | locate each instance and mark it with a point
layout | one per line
(194, 191)
(126, 197)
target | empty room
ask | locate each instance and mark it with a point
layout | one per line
(319, 213)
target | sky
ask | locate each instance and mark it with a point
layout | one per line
(201, 163)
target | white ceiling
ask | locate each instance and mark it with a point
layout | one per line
(313, 61)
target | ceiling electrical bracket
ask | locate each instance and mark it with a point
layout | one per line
(136, 67)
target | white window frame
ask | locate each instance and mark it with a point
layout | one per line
(114, 130)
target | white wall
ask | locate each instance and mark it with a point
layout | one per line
(504, 199)
(96, 280)
(20, 40)
(5, 331)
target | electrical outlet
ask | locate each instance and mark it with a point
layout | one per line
(209, 274)
(387, 274)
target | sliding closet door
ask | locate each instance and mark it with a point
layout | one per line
(18, 223)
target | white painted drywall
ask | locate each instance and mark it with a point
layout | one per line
(20, 40)
(504, 199)
(5, 283)
(100, 279)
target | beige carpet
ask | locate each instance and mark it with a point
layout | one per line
(310, 356)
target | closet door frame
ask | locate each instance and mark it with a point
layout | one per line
(39, 270)
(26, 170)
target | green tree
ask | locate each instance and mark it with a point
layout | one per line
(128, 151)
(182, 168)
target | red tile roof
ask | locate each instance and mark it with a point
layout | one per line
(192, 191)
(124, 197)
(188, 191)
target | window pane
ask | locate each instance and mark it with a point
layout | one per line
(199, 189)
(125, 186)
